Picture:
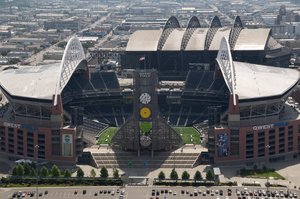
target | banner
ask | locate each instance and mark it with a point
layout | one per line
(67, 145)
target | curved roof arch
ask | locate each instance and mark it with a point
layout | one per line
(72, 56)
(170, 25)
(172, 22)
(225, 63)
(214, 25)
(191, 27)
(237, 22)
(193, 23)
(215, 22)
(235, 31)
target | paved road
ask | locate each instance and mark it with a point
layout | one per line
(140, 192)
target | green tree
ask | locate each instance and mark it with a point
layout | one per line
(32, 172)
(14, 171)
(80, 173)
(103, 172)
(62, 44)
(55, 171)
(185, 175)
(44, 172)
(20, 170)
(174, 175)
(67, 173)
(14, 61)
(4, 53)
(93, 173)
(209, 175)
(116, 173)
(87, 45)
(161, 176)
(27, 169)
(197, 176)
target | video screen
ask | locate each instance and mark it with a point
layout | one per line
(223, 148)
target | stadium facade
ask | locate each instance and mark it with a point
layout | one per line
(248, 111)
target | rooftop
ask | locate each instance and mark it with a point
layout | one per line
(31, 81)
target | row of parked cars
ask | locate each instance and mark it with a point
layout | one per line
(195, 192)
(265, 193)
(103, 192)
(23, 194)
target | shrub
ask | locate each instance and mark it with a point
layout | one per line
(103, 172)
(161, 176)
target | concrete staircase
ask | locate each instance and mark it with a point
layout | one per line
(160, 159)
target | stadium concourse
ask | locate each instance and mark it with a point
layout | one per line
(247, 112)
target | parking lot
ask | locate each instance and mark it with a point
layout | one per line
(66, 193)
(148, 193)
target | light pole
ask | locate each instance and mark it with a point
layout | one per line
(37, 171)
(268, 151)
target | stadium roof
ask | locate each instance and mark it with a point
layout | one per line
(42, 82)
(250, 81)
(257, 81)
(195, 38)
(142, 42)
(252, 39)
(31, 81)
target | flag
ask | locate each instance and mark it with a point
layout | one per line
(142, 58)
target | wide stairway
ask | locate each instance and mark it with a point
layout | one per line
(122, 159)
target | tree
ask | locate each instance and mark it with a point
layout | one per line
(14, 171)
(116, 173)
(4, 53)
(174, 175)
(20, 170)
(32, 172)
(209, 175)
(93, 173)
(67, 173)
(103, 172)
(185, 175)
(161, 176)
(44, 172)
(27, 169)
(197, 176)
(62, 44)
(14, 61)
(55, 171)
(80, 173)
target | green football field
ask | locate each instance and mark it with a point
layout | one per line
(189, 134)
(106, 136)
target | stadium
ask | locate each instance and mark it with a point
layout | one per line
(246, 111)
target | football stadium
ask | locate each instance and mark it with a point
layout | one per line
(218, 87)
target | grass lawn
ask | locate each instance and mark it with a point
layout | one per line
(269, 174)
(106, 136)
(261, 174)
(189, 135)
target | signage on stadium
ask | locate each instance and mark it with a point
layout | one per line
(19, 126)
(12, 125)
(263, 127)
(269, 126)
